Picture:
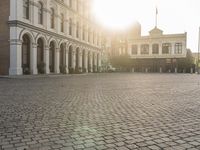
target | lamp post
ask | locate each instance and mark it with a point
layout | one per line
(198, 53)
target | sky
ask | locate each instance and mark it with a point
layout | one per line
(174, 16)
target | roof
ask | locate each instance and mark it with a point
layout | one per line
(156, 32)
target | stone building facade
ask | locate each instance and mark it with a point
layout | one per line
(156, 52)
(48, 36)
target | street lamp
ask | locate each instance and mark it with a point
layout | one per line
(198, 53)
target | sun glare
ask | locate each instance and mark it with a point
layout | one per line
(120, 14)
(114, 13)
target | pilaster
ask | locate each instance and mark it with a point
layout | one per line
(15, 57)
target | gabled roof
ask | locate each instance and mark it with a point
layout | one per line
(156, 32)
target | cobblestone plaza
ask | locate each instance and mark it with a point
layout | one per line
(100, 111)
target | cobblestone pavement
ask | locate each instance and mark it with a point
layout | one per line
(101, 111)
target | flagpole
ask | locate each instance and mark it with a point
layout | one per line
(156, 23)
(198, 53)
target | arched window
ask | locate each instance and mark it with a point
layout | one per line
(62, 23)
(52, 18)
(83, 31)
(70, 26)
(77, 29)
(40, 13)
(26, 9)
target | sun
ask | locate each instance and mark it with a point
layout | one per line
(115, 14)
(120, 14)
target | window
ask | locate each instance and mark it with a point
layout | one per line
(40, 13)
(70, 26)
(89, 32)
(77, 29)
(145, 49)
(155, 49)
(97, 39)
(178, 48)
(62, 23)
(70, 3)
(134, 50)
(26, 7)
(94, 37)
(52, 18)
(166, 48)
(83, 32)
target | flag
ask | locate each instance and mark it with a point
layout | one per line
(156, 10)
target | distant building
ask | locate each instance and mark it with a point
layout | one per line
(156, 52)
(49, 36)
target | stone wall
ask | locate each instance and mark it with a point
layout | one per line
(4, 36)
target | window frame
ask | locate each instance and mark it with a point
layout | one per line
(26, 9)
(145, 49)
(40, 13)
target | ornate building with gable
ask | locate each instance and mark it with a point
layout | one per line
(156, 52)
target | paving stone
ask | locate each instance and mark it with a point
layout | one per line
(100, 111)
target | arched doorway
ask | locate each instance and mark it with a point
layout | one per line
(83, 61)
(26, 46)
(88, 63)
(62, 58)
(40, 56)
(77, 58)
(98, 60)
(52, 57)
(93, 62)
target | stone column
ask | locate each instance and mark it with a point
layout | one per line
(57, 60)
(33, 63)
(15, 57)
(66, 61)
(46, 59)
